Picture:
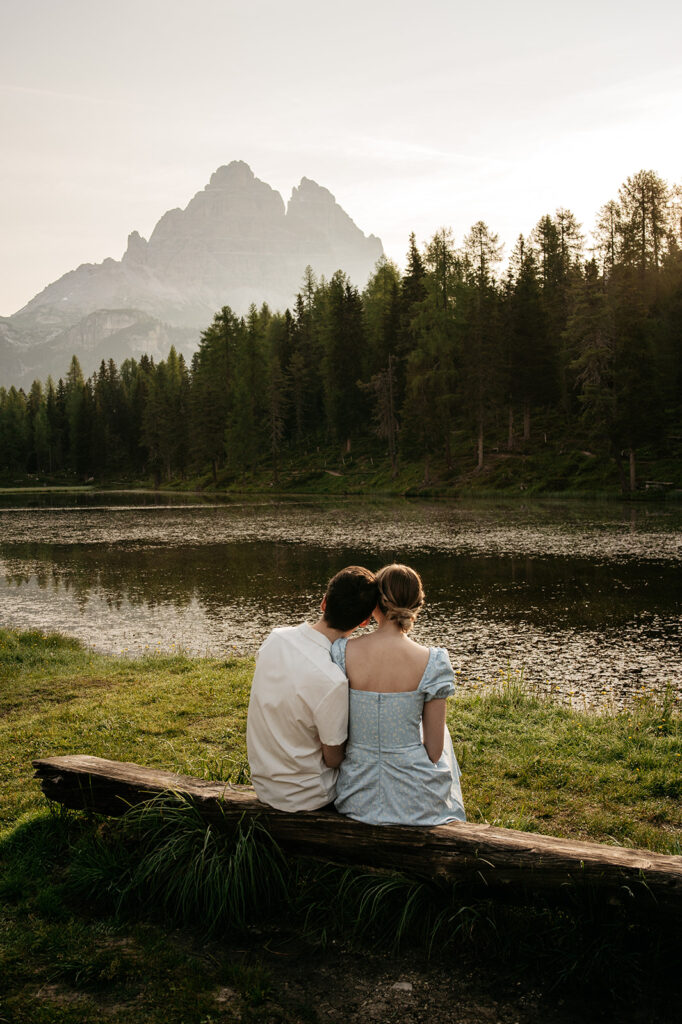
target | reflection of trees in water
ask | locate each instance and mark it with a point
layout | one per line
(37, 499)
(543, 591)
(216, 576)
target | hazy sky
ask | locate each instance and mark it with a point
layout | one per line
(415, 115)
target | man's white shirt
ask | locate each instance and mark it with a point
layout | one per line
(299, 700)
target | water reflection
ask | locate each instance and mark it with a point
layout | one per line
(585, 598)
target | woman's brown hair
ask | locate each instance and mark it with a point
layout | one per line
(401, 594)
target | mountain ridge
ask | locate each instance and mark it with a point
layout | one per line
(235, 243)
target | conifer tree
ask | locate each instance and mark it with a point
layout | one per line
(78, 405)
(479, 327)
(344, 359)
(15, 430)
(211, 389)
(245, 432)
(276, 390)
(428, 409)
(380, 301)
(530, 368)
(643, 200)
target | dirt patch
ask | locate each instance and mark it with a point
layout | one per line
(60, 995)
(341, 987)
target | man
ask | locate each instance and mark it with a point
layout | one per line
(297, 723)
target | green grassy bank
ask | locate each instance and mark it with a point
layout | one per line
(548, 464)
(534, 467)
(126, 922)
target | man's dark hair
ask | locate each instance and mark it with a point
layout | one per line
(351, 597)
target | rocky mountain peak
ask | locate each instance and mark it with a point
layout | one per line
(310, 191)
(314, 210)
(235, 174)
(235, 243)
(136, 249)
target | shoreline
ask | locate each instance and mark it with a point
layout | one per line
(535, 470)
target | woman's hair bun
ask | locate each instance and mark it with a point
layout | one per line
(401, 594)
(403, 616)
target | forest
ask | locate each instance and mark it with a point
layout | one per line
(453, 354)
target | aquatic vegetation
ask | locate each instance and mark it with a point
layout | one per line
(583, 596)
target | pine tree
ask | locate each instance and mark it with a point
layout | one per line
(276, 390)
(245, 432)
(380, 301)
(530, 363)
(344, 359)
(428, 408)
(643, 200)
(479, 328)
(15, 430)
(211, 387)
(40, 428)
(304, 361)
(607, 234)
(78, 404)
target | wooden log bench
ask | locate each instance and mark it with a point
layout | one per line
(483, 856)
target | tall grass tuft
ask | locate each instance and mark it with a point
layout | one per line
(163, 858)
(379, 908)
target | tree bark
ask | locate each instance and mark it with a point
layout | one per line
(510, 429)
(621, 472)
(633, 473)
(392, 446)
(448, 449)
(526, 421)
(479, 447)
(483, 856)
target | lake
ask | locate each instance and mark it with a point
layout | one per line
(584, 598)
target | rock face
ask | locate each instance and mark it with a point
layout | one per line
(234, 244)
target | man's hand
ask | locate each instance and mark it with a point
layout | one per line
(333, 756)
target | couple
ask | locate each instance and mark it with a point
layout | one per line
(314, 689)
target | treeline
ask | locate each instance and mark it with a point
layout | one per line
(451, 345)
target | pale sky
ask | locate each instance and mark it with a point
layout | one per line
(415, 115)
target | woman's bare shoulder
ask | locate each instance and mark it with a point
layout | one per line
(362, 640)
(416, 646)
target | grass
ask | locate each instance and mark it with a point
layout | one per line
(553, 462)
(105, 919)
(528, 762)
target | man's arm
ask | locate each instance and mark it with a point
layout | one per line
(331, 720)
(333, 756)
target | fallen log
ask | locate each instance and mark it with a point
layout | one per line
(481, 856)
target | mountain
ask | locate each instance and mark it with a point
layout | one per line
(234, 244)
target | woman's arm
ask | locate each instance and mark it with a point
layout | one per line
(433, 724)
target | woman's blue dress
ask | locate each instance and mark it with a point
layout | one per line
(386, 777)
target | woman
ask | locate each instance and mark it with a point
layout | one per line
(399, 767)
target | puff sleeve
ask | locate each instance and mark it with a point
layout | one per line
(437, 681)
(338, 653)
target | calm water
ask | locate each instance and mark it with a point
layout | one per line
(584, 597)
